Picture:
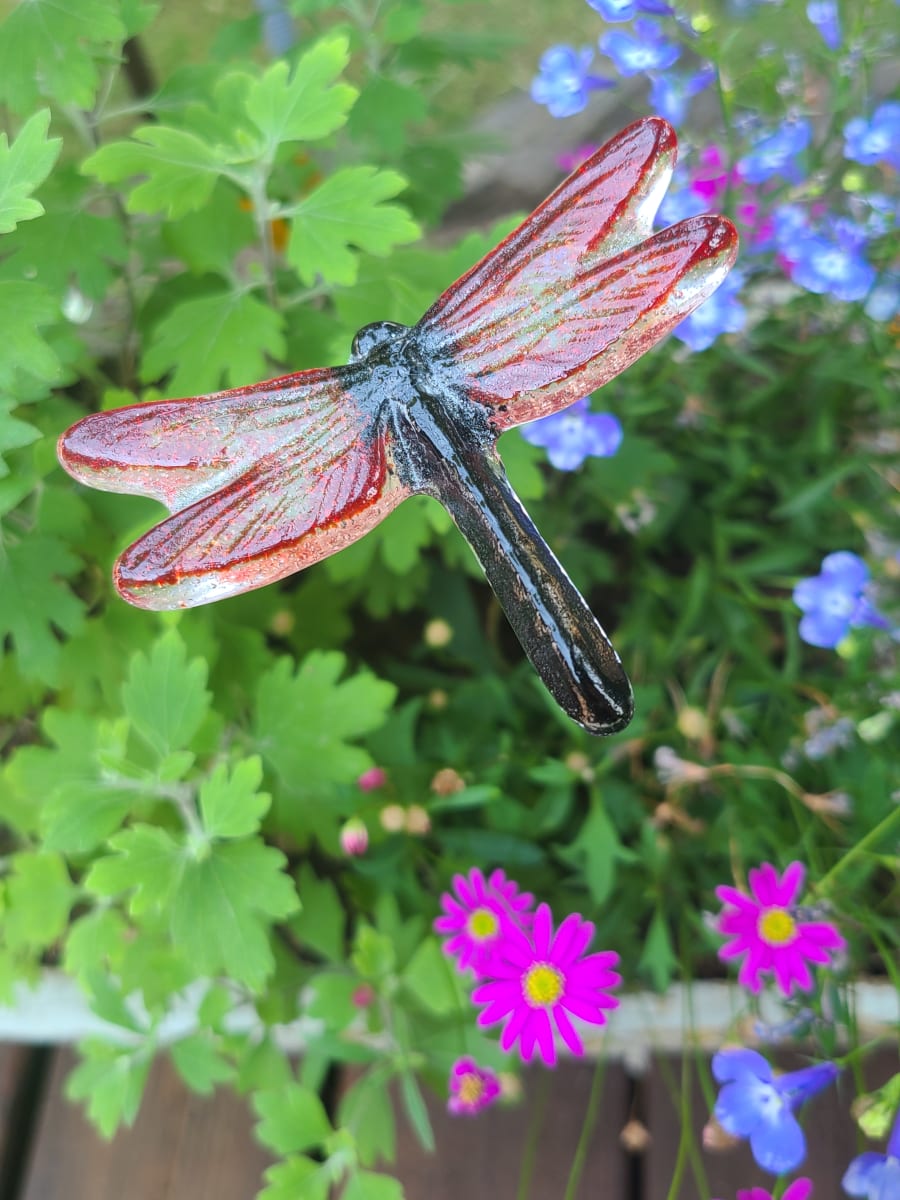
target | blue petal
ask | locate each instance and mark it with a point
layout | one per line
(862, 1176)
(740, 1064)
(823, 630)
(778, 1145)
(745, 1105)
(846, 569)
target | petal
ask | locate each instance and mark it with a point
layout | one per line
(790, 885)
(464, 891)
(778, 1145)
(572, 938)
(515, 1028)
(764, 883)
(529, 1036)
(799, 1190)
(567, 1031)
(744, 1104)
(590, 1010)
(857, 1177)
(846, 569)
(822, 933)
(544, 1035)
(730, 895)
(542, 931)
(740, 1064)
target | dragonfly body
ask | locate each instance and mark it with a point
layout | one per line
(264, 480)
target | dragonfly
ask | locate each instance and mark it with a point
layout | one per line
(262, 481)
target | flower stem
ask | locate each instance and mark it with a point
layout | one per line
(864, 844)
(587, 1129)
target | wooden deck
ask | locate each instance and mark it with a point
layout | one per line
(183, 1147)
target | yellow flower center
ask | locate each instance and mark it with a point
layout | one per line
(483, 924)
(542, 985)
(777, 927)
(471, 1088)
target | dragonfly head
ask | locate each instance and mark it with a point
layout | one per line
(379, 333)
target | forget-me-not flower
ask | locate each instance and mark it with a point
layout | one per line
(571, 436)
(624, 10)
(644, 50)
(826, 18)
(671, 95)
(721, 313)
(565, 81)
(876, 140)
(834, 600)
(777, 152)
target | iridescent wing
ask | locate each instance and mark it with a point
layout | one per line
(580, 289)
(262, 480)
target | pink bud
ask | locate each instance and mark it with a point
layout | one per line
(354, 837)
(372, 780)
(363, 995)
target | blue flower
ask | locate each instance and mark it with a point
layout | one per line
(670, 95)
(721, 313)
(564, 82)
(648, 51)
(279, 34)
(570, 436)
(775, 153)
(876, 1176)
(831, 262)
(833, 600)
(877, 140)
(826, 18)
(680, 201)
(883, 302)
(624, 10)
(755, 1104)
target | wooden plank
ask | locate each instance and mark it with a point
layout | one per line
(481, 1158)
(181, 1147)
(20, 1069)
(830, 1132)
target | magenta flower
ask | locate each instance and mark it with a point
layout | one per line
(473, 919)
(472, 1088)
(536, 976)
(800, 1189)
(771, 931)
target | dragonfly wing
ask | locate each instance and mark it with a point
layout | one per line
(580, 289)
(547, 350)
(262, 481)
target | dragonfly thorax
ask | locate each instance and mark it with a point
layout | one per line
(376, 334)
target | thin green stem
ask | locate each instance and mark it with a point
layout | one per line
(587, 1128)
(862, 846)
(531, 1140)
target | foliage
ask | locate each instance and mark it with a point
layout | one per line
(174, 787)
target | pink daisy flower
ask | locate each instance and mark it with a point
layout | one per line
(800, 1189)
(536, 976)
(769, 929)
(473, 918)
(472, 1088)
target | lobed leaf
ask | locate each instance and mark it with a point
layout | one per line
(23, 167)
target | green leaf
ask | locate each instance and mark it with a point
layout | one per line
(51, 48)
(93, 941)
(343, 215)
(414, 1104)
(70, 243)
(306, 104)
(595, 850)
(230, 804)
(39, 895)
(320, 923)
(146, 863)
(367, 1108)
(23, 167)
(304, 721)
(223, 906)
(296, 1179)
(223, 340)
(179, 169)
(429, 978)
(111, 1079)
(384, 110)
(165, 696)
(35, 604)
(24, 308)
(292, 1119)
(200, 1064)
(13, 433)
(658, 960)
(366, 1185)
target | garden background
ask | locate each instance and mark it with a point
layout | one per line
(249, 812)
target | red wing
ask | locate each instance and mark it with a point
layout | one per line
(535, 362)
(575, 294)
(262, 480)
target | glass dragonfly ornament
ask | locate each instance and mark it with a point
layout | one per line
(262, 481)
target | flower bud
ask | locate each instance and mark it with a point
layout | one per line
(447, 781)
(392, 818)
(418, 822)
(372, 780)
(354, 837)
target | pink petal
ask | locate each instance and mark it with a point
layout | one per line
(464, 891)
(572, 938)
(515, 1027)
(542, 931)
(764, 884)
(544, 1035)
(529, 1037)
(738, 922)
(791, 884)
(567, 1031)
(822, 933)
(733, 949)
(730, 895)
